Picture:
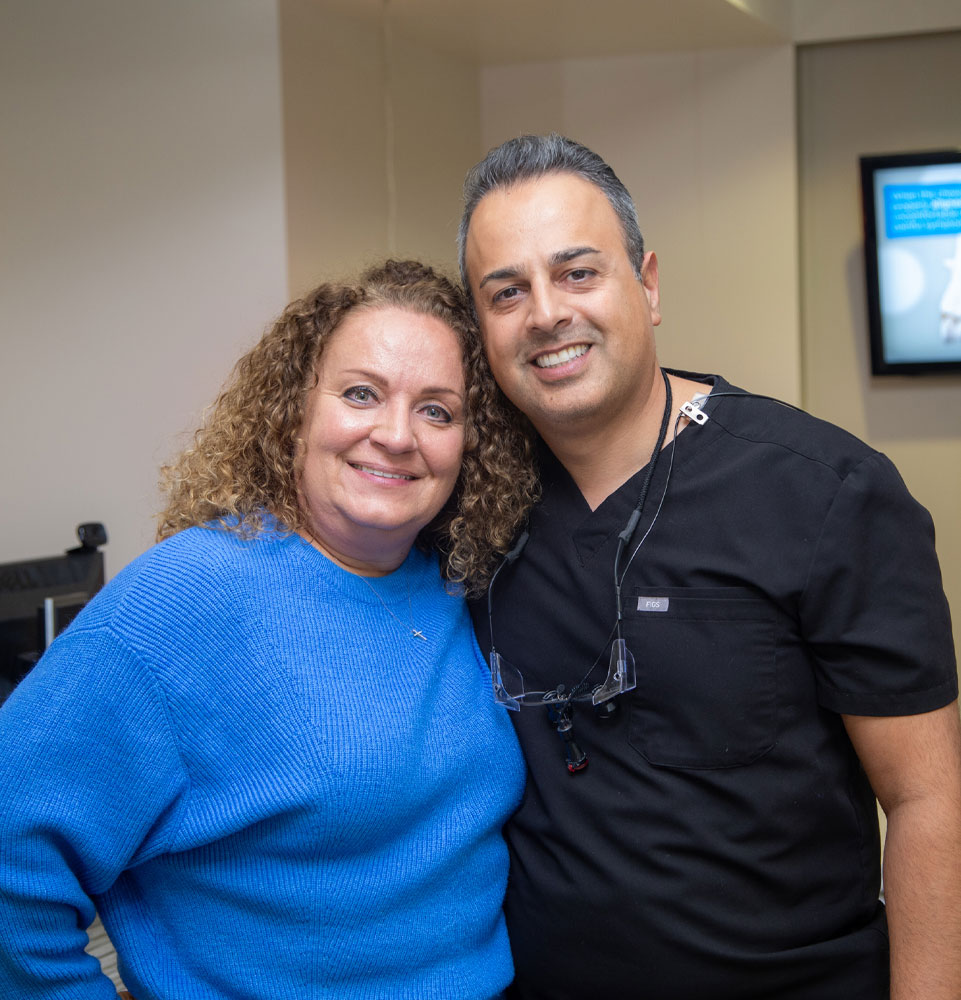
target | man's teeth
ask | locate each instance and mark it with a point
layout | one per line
(381, 473)
(568, 354)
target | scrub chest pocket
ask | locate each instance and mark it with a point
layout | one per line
(706, 693)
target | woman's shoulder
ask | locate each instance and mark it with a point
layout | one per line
(194, 553)
(191, 571)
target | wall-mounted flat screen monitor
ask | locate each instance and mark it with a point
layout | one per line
(912, 248)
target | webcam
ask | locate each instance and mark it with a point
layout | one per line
(90, 535)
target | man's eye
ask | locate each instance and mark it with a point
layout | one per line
(507, 293)
(360, 394)
(580, 274)
(437, 413)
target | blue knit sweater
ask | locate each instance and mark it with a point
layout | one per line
(267, 787)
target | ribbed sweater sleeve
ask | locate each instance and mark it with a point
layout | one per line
(92, 784)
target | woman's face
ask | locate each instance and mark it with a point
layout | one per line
(384, 435)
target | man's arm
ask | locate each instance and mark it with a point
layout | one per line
(914, 765)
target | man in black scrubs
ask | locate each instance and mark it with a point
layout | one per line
(700, 818)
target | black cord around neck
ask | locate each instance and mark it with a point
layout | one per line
(624, 538)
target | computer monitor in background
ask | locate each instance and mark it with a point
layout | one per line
(912, 245)
(40, 597)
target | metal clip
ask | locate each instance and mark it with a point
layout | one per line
(692, 410)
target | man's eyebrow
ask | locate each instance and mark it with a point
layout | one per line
(564, 256)
(499, 275)
(561, 257)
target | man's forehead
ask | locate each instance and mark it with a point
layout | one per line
(554, 212)
(557, 186)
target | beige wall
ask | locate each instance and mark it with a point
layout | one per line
(706, 144)
(379, 131)
(875, 97)
(141, 198)
(150, 165)
(833, 20)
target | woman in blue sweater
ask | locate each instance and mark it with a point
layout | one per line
(267, 752)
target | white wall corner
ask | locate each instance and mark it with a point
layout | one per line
(837, 20)
(777, 14)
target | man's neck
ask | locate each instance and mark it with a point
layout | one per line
(600, 459)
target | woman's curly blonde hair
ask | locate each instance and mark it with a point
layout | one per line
(244, 465)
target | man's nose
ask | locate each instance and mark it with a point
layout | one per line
(549, 308)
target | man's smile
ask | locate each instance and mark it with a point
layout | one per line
(561, 357)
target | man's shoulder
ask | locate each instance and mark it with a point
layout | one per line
(766, 420)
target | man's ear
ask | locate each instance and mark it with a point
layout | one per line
(649, 279)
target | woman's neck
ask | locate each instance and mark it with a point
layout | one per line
(380, 562)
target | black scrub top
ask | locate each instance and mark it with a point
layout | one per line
(722, 843)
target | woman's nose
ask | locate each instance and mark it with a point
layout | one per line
(394, 431)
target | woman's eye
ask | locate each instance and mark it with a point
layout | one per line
(438, 413)
(360, 394)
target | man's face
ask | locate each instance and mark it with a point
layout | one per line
(567, 325)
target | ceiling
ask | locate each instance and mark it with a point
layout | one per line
(493, 32)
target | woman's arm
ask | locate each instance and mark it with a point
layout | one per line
(89, 784)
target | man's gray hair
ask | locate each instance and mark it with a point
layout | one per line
(530, 156)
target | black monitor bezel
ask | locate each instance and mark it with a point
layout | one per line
(869, 166)
(22, 611)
